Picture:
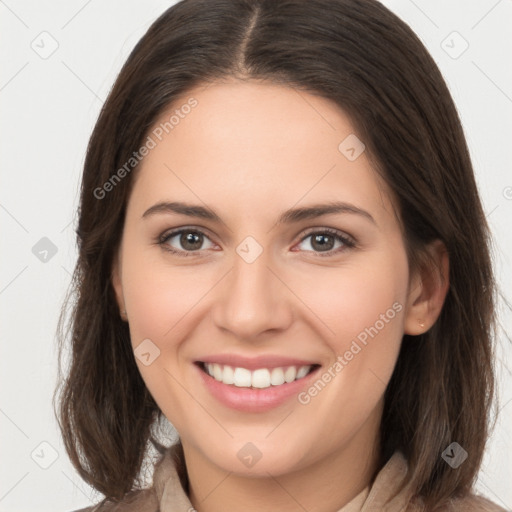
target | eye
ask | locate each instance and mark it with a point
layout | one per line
(190, 240)
(324, 241)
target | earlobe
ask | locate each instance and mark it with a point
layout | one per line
(428, 290)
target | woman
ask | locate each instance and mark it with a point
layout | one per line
(282, 251)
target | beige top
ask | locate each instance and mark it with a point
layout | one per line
(168, 495)
(357, 503)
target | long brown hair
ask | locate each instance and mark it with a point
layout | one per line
(370, 63)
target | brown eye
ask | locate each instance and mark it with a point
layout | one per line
(322, 242)
(191, 240)
(327, 241)
(184, 241)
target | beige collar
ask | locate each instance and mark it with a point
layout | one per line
(171, 496)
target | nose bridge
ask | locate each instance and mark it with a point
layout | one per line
(252, 299)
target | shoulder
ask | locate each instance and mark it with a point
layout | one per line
(140, 501)
(472, 503)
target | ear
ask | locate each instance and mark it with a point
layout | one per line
(117, 285)
(428, 287)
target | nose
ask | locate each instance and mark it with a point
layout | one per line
(253, 299)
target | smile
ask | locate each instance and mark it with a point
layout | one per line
(260, 378)
(257, 390)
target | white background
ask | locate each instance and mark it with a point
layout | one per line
(49, 107)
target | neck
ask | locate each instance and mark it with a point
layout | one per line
(325, 485)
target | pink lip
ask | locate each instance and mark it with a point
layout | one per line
(252, 399)
(253, 363)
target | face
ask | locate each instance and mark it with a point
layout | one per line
(235, 281)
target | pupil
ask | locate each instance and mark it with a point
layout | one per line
(189, 239)
(320, 238)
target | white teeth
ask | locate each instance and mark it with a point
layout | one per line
(228, 376)
(290, 374)
(260, 378)
(277, 377)
(303, 371)
(217, 371)
(242, 377)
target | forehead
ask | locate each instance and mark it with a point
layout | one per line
(257, 144)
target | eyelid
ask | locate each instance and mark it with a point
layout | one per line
(331, 231)
(168, 233)
(171, 233)
(348, 240)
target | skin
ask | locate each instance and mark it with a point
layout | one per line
(250, 150)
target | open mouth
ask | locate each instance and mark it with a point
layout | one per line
(260, 378)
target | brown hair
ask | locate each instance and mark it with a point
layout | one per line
(370, 63)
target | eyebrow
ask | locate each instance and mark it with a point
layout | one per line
(290, 216)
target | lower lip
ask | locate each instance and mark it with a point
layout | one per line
(253, 399)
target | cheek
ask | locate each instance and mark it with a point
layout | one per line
(160, 296)
(361, 308)
(353, 299)
(161, 302)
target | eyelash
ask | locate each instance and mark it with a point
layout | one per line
(348, 243)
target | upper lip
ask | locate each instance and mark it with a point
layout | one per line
(253, 363)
